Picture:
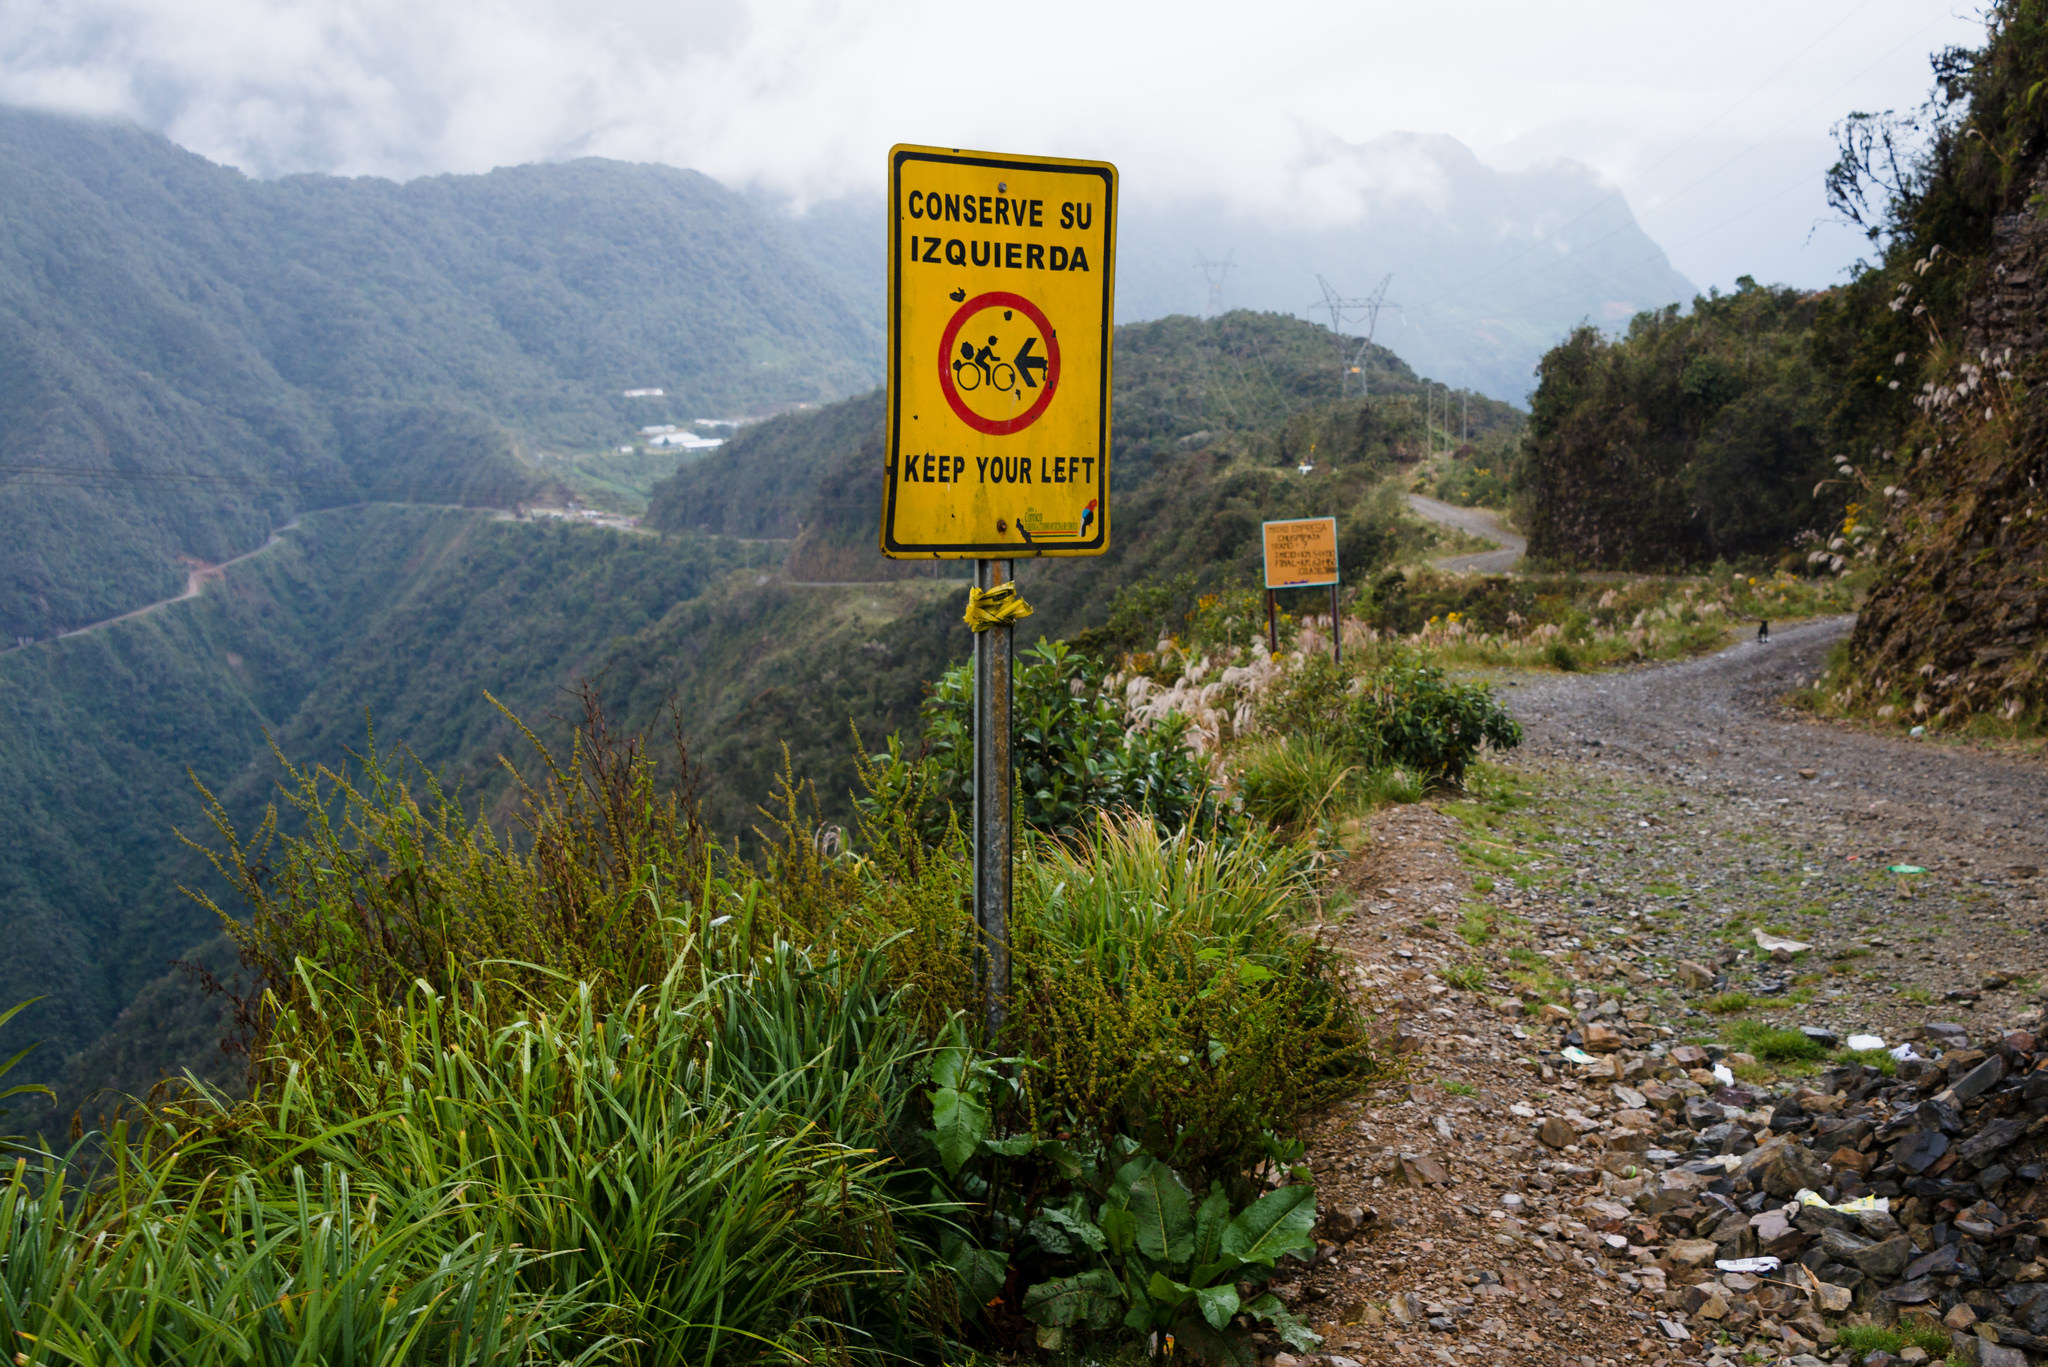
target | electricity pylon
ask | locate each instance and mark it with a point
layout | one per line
(1344, 311)
(1215, 273)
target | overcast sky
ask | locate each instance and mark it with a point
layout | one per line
(1712, 119)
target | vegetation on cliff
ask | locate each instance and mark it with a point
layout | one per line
(1694, 437)
(1953, 482)
(1891, 428)
(601, 1093)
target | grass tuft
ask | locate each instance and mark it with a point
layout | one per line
(1772, 1044)
(1469, 976)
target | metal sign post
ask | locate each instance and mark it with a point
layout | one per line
(1302, 553)
(1002, 276)
(993, 692)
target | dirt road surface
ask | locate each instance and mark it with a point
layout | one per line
(1479, 522)
(1489, 1208)
(1717, 723)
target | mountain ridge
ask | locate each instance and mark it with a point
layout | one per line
(192, 356)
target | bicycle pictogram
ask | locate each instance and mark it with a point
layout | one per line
(1004, 384)
(975, 368)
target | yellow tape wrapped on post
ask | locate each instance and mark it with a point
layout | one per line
(995, 607)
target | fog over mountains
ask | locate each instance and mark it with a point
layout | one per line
(1489, 268)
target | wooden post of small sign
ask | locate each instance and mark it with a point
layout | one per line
(1336, 628)
(1272, 624)
(1302, 553)
(997, 425)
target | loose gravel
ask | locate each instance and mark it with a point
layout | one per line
(1624, 861)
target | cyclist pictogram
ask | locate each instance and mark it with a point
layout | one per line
(974, 368)
(999, 363)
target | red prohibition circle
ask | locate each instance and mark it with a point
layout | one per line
(1005, 426)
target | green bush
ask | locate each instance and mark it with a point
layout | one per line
(1172, 1001)
(1411, 715)
(1772, 1044)
(1390, 711)
(1072, 748)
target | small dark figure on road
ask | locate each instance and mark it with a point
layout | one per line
(1763, 632)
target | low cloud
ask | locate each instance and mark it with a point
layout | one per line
(802, 97)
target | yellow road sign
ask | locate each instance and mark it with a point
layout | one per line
(1301, 553)
(1001, 277)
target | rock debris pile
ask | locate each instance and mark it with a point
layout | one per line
(1913, 1198)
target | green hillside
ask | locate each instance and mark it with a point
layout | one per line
(188, 357)
(1212, 422)
(410, 615)
(1692, 437)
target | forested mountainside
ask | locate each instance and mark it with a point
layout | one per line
(1213, 420)
(406, 617)
(1692, 437)
(190, 357)
(403, 615)
(1894, 427)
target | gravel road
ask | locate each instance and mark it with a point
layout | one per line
(1716, 724)
(1479, 522)
(1651, 818)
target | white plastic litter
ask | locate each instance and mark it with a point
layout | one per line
(1904, 1052)
(1765, 1264)
(1577, 1055)
(1723, 1075)
(1866, 1041)
(1767, 941)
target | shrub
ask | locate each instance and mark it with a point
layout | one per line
(1172, 1002)
(1410, 715)
(1772, 1044)
(392, 884)
(1292, 782)
(1073, 750)
(1390, 711)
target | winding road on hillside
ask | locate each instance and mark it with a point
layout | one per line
(1718, 724)
(197, 577)
(1479, 522)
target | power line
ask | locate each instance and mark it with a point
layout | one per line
(1343, 311)
(1215, 273)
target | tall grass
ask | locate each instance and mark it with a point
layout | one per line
(1172, 998)
(688, 1114)
(1127, 891)
(214, 1266)
(675, 1157)
(1292, 783)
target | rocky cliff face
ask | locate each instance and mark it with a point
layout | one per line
(1954, 626)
